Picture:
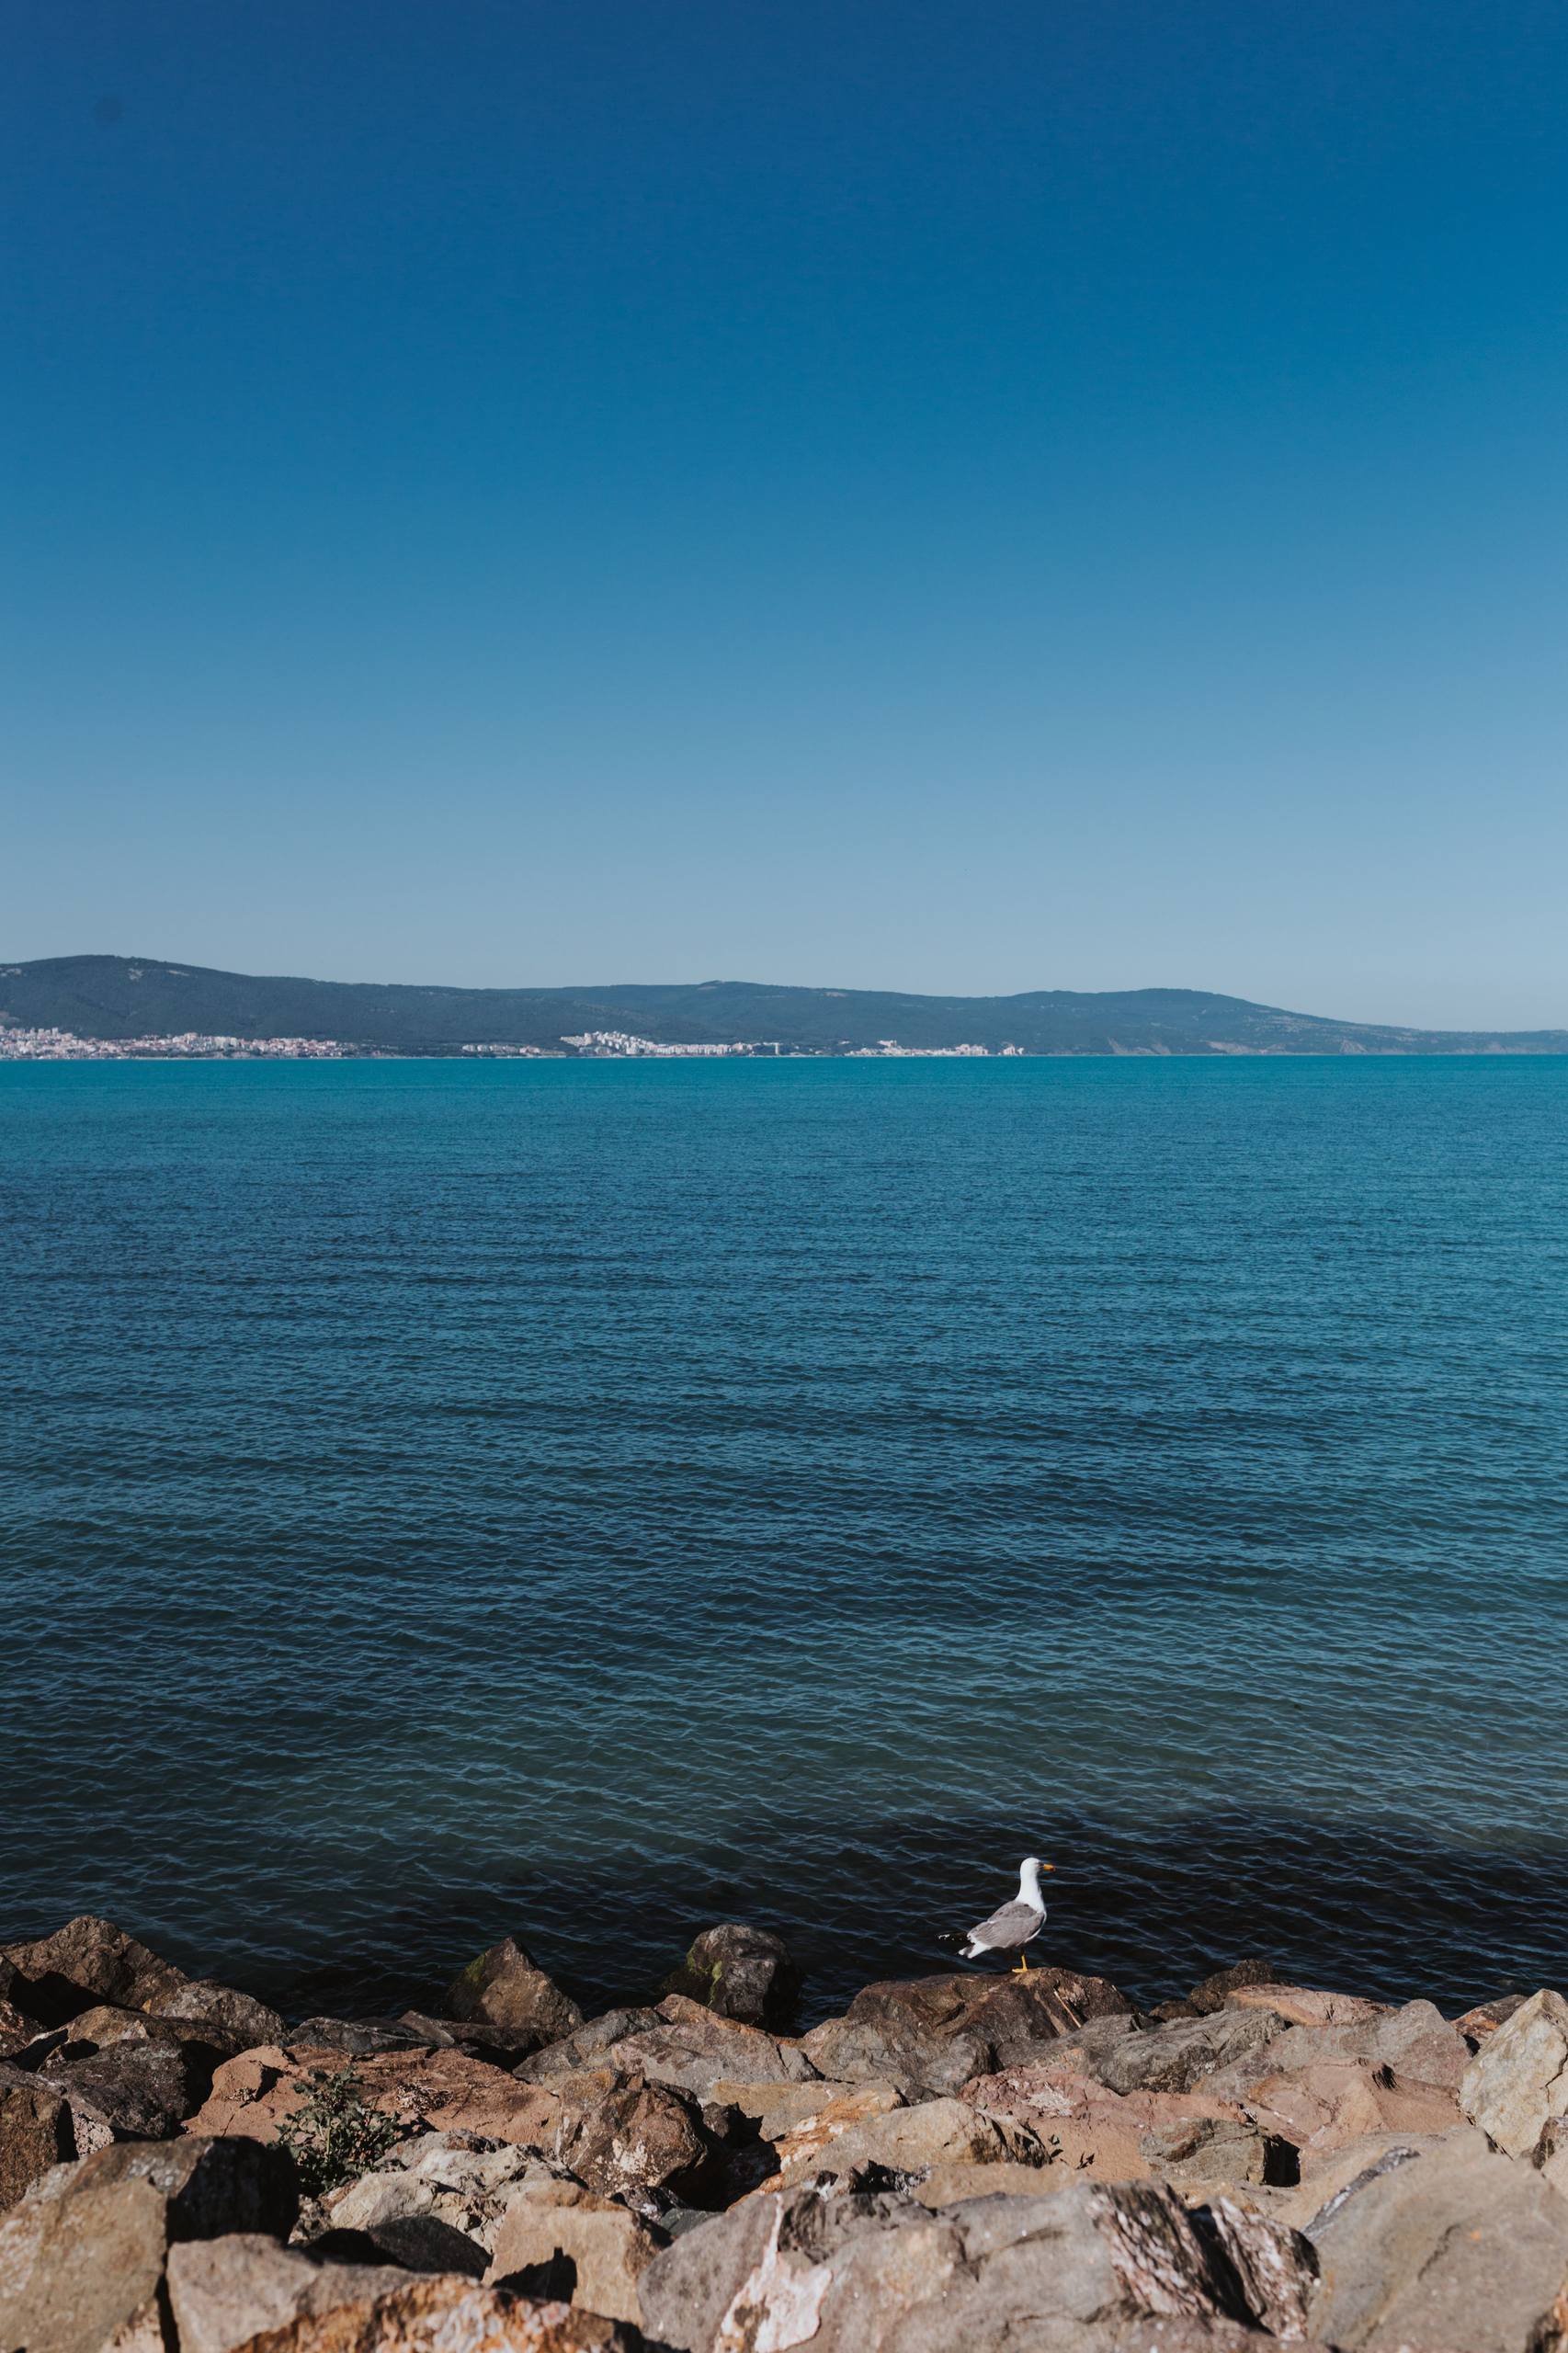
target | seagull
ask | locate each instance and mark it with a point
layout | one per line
(1009, 1929)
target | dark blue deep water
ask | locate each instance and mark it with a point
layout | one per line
(587, 1501)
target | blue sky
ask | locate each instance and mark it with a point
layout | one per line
(955, 496)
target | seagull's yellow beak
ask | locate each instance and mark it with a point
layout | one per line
(1048, 1867)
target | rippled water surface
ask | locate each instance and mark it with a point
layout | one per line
(591, 1500)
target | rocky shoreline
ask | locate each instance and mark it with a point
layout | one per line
(968, 2163)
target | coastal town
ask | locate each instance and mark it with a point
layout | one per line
(49, 1045)
(20, 1045)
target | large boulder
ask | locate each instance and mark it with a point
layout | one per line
(929, 2035)
(1188, 2137)
(87, 1962)
(442, 2315)
(796, 2122)
(359, 2038)
(1517, 2082)
(1443, 2243)
(693, 2051)
(911, 2140)
(1324, 2087)
(588, 2046)
(37, 2131)
(417, 2090)
(81, 2257)
(133, 2089)
(1062, 2274)
(1175, 2058)
(739, 1973)
(503, 2046)
(552, 2225)
(1305, 2005)
(224, 2292)
(230, 2020)
(1214, 1991)
(429, 2193)
(628, 2138)
(505, 1986)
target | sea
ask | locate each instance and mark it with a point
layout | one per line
(583, 1501)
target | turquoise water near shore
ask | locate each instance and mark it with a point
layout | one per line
(588, 1500)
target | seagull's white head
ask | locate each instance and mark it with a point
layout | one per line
(1030, 1871)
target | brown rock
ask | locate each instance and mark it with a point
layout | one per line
(1325, 2107)
(1203, 2151)
(803, 2120)
(87, 1962)
(36, 2131)
(609, 2246)
(16, 2029)
(224, 2292)
(931, 2034)
(739, 1973)
(912, 2139)
(420, 2091)
(1476, 2024)
(232, 2021)
(1214, 1992)
(1132, 2136)
(82, 2258)
(445, 2316)
(1306, 2006)
(955, 2185)
(625, 2137)
(507, 1987)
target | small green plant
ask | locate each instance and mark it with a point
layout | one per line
(331, 2135)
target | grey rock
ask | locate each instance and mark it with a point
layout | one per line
(233, 2021)
(1517, 2082)
(588, 2046)
(929, 2035)
(1443, 2245)
(224, 2292)
(501, 2046)
(457, 2180)
(739, 1973)
(505, 1987)
(358, 2038)
(131, 2090)
(689, 2049)
(1415, 2043)
(1068, 2273)
(1174, 2058)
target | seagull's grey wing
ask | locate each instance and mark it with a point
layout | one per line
(1015, 1923)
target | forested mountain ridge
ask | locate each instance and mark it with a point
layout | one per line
(111, 998)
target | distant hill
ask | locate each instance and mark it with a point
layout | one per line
(121, 996)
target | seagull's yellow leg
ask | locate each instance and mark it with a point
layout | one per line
(1023, 1968)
